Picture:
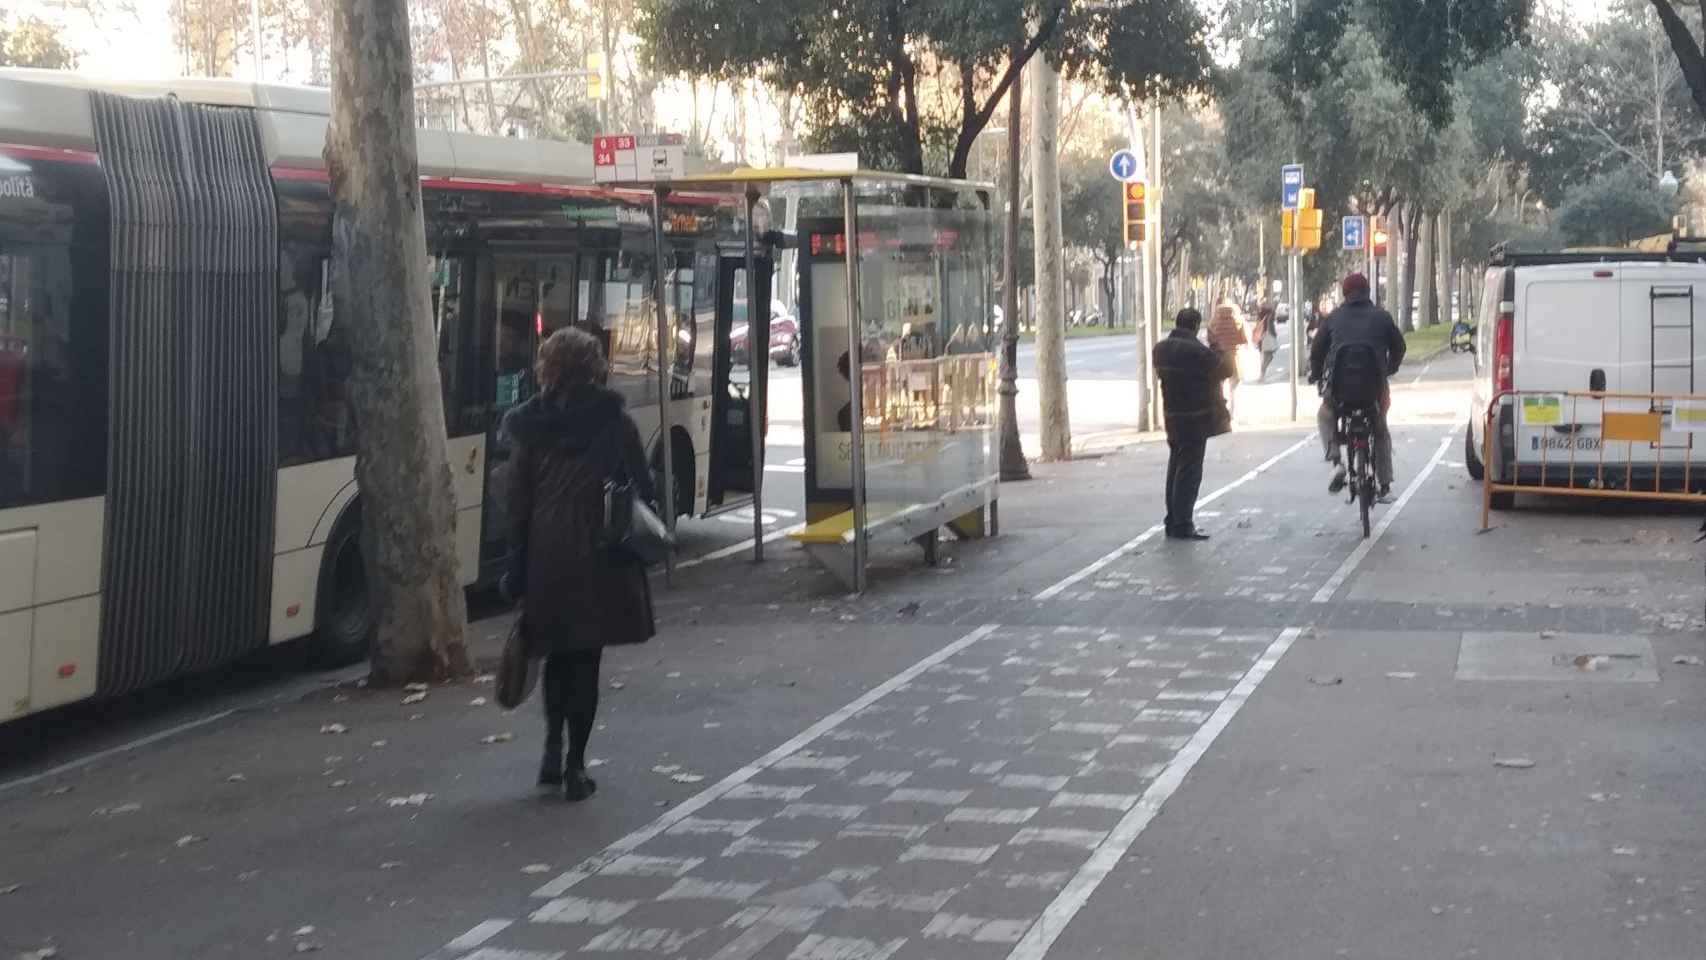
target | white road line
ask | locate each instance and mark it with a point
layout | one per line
(699, 801)
(1342, 574)
(476, 935)
(1048, 928)
(1425, 368)
(742, 546)
(1135, 542)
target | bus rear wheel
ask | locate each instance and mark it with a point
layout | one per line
(345, 606)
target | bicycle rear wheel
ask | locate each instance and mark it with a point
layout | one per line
(1365, 489)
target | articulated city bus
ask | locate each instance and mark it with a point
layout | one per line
(176, 437)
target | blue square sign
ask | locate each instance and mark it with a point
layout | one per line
(1291, 185)
(1354, 232)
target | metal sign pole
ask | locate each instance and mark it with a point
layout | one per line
(758, 390)
(855, 379)
(665, 359)
(1296, 328)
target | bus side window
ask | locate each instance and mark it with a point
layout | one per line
(53, 338)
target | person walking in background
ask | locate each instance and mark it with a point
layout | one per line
(1266, 336)
(567, 442)
(1190, 391)
(1226, 334)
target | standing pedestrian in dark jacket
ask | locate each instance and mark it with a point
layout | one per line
(566, 442)
(1190, 375)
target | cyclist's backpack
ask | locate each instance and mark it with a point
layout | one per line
(1355, 376)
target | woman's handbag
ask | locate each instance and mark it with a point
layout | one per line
(630, 526)
(518, 673)
(1270, 341)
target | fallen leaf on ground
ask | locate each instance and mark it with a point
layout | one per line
(687, 778)
(414, 688)
(338, 784)
(1624, 851)
(596, 762)
(189, 839)
(909, 609)
(379, 743)
(307, 946)
(1400, 675)
(334, 728)
(666, 769)
(1331, 680)
(115, 811)
(414, 698)
(1548, 634)
(45, 953)
(617, 685)
(60, 791)
(235, 778)
(412, 800)
(306, 931)
(504, 737)
(486, 678)
(536, 868)
(1513, 763)
(1687, 660)
(390, 864)
(10, 888)
(477, 702)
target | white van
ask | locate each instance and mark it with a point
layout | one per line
(1613, 322)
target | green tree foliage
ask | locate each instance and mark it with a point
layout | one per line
(1613, 209)
(1683, 27)
(1425, 44)
(910, 84)
(34, 42)
(1362, 139)
(1091, 213)
(1620, 101)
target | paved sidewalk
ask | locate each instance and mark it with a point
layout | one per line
(1075, 740)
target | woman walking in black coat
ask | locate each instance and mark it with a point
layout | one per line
(565, 443)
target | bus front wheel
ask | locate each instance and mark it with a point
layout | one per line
(345, 606)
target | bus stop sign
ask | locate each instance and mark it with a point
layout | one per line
(1291, 186)
(1353, 233)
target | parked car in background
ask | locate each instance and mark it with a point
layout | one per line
(784, 336)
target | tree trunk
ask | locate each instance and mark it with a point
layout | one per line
(1447, 266)
(1407, 286)
(379, 258)
(1425, 271)
(1045, 224)
(1013, 465)
(1394, 232)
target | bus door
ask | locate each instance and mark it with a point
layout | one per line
(530, 296)
(739, 302)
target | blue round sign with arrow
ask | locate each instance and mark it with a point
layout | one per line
(1123, 165)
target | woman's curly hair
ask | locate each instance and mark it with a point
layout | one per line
(570, 357)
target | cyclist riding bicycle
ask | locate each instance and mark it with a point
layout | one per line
(1356, 351)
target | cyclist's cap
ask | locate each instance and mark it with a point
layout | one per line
(1354, 284)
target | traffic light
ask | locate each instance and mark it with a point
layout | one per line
(1380, 243)
(1134, 193)
(1288, 229)
(1308, 231)
(595, 79)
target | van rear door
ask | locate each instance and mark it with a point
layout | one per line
(1568, 338)
(1662, 349)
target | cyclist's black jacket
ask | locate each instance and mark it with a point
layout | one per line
(1357, 321)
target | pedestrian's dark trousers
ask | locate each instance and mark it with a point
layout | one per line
(1184, 479)
(571, 699)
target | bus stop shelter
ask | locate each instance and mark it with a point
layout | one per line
(892, 278)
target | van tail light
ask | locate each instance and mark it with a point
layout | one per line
(1504, 347)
